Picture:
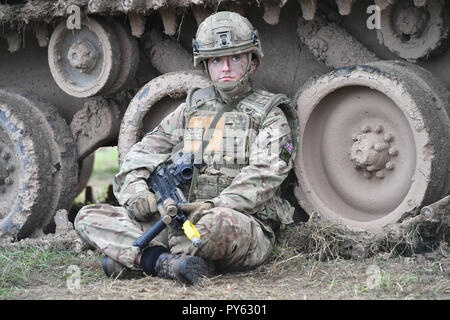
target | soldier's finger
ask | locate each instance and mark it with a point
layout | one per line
(133, 208)
(142, 206)
(188, 207)
(195, 216)
(147, 206)
(151, 200)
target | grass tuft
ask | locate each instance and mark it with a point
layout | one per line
(30, 266)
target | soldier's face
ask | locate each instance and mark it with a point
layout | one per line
(230, 68)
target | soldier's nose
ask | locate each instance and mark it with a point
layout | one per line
(226, 65)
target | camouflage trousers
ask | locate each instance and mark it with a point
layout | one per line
(233, 240)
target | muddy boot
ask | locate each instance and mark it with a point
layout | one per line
(187, 269)
(116, 270)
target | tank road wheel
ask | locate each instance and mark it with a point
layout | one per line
(63, 152)
(414, 32)
(158, 98)
(84, 62)
(24, 165)
(37, 165)
(53, 149)
(129, 53)
(374, 144)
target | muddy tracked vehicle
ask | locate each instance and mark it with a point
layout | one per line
(371, 80)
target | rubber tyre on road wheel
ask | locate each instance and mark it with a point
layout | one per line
(53, 166)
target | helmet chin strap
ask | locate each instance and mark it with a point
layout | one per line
(233, 88)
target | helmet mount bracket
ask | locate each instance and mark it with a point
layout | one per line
(224, 39)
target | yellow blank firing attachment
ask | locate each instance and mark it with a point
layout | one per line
(192, 233)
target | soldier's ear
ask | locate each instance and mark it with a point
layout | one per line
(205, 67)
(254, 65)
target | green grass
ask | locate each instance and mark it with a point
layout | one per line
(105, 164)
(29, 266)
(105, 167)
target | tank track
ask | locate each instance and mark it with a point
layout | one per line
(19, 13)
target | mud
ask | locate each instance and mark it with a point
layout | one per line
(14, 41)
(166, 55)
(32, 11)
(46, 11)
(64, 236)
(28, 195)
(413, 33)
(325, 240)
(95, 125)
(76, 79)
(272, 12)
(331, 44)
(375, 189)
(312, 260)
(436, 118)
(173, 85)
(61, 147)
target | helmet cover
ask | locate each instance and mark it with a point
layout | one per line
(225, 33)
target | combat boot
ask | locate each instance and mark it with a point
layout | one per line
(116, 270)
(187, 269)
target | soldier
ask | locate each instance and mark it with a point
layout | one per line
(244, 138)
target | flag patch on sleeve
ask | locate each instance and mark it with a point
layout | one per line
(286, 152)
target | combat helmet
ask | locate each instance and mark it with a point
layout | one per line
(226, 33)
(222, 34)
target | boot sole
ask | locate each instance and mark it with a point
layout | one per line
(193, 268)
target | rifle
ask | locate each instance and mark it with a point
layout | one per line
(165, 182)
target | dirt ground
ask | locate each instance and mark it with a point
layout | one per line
(310, 262)
(400, 278)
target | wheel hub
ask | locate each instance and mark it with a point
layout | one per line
(82, 55)
(410, 21)
(372, 151)
(414, 32)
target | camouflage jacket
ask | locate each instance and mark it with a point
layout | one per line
(249, 154)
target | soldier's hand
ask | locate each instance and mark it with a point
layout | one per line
(143, 205)
(196, 210)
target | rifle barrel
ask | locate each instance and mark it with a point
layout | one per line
(149, 235)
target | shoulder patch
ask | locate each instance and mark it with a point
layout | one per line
(286, 152)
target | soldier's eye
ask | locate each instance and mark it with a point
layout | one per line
(215, 60)
(236, 58)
